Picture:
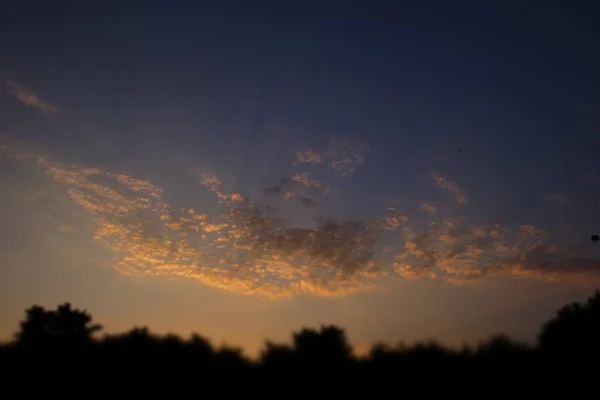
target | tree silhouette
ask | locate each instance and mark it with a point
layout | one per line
(64, 327)
(326, 348)
(320, 356)
(499, 347)
(278, 356)
(574, 331)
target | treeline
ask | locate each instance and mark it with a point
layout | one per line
(67, 339)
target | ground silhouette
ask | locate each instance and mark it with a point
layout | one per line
(66, 341)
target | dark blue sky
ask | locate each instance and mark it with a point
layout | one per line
(162, 90)
(505, 81)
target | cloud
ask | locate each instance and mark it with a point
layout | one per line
(307, 201)
(447, 252)
(445, 183)
(558, 199)
(300, 185)
(29, 97)
(308, 156)
(428, 207)
(343, 156)
(248, 247)
(346, 157)
(391, 221)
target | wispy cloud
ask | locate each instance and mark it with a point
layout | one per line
(558, 199)
(445, 183)
(29, 97)
(249, 247)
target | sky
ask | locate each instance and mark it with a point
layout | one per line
(244, 169)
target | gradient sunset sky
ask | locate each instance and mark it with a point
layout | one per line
(406, 170)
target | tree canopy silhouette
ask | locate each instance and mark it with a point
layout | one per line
(574, 331)
(46, 337)
(64, 327)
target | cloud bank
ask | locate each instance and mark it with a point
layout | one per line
(248, 247)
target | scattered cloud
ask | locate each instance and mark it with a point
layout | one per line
(300, 185)
(391, 221)
(346, 157)
(29, 97)
(343, 156)
(308, 156)
(248, 247)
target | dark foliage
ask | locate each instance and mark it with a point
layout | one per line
(65, 342)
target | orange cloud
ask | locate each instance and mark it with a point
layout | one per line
(247, 247)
